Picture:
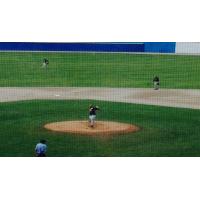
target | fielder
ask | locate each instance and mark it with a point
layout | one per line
(45, 63)
(41, 149)
(156, 82)
(92, 115)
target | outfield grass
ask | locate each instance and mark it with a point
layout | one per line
(165, 131)
(98, 70)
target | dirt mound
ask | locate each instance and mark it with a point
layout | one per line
(101, 127)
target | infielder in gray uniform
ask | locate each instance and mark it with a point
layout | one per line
(156, 82)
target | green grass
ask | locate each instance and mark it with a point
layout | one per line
(164, 131)
(98, 70)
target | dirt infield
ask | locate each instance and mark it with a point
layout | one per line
(183, 98)
(101, 127)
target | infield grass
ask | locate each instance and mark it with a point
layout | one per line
(164, 131)
(98, 70)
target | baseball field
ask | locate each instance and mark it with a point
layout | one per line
(120, 84)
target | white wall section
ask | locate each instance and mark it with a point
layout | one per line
(188, 47)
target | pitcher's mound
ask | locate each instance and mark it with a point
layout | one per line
(101, 127)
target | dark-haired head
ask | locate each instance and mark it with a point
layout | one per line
(43, 141)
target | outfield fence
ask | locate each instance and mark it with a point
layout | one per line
(126, 47)
(139, 47)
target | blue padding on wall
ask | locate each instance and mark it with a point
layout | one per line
(160, 47)
(101, 47)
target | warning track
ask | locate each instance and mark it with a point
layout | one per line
(183, 98)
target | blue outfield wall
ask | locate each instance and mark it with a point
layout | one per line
(156, 47)
(160, 47)
(99, 47)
